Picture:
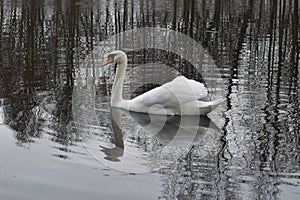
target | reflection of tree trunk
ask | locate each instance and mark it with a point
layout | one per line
(1, 28)
(31, 45)
(147, 13)
(261, 8)
(117, 20)
(295, 32)
(132, 14)
(186, 16)
(270, 68)
(91, 30)
(217, 14)
(57, 32)
(71, 27)
(125, 15)
(64, 115)
(153, 14)
(241, 35)
(193, 10)
(281, 30)
(107, 14)
(272, 32)
(174, 15)
(295, 61)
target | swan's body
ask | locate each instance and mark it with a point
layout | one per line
(178, 97)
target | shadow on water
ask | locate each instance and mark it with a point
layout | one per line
(254, 43)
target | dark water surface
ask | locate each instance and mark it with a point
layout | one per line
(57, 136)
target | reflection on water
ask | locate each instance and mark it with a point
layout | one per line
(254, 43)
(164, 140)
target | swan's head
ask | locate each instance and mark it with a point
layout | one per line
(115, 56)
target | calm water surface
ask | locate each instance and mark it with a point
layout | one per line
(61, 140)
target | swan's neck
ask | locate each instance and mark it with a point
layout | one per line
(117, 89)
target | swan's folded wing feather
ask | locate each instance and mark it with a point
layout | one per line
(180, 90)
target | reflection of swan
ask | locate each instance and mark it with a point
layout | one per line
(178, 130)
(172, 131)
(114, 153)
(178, 97)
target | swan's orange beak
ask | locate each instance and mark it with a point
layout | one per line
(109, 60)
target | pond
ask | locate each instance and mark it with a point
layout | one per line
(60, 138)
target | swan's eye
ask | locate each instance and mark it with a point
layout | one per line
(110, 59)
(111, 56)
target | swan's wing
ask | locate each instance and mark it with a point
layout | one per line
(180, 90)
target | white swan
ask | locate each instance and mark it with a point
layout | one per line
(178, 97)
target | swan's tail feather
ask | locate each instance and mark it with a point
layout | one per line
(194, 108)
(216, 103)
(207, 107)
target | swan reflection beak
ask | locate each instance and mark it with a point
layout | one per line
(109, 60)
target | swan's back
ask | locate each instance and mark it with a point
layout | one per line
(179, 91)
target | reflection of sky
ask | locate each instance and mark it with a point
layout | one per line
(32, 172)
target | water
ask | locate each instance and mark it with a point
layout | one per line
(247, 149)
